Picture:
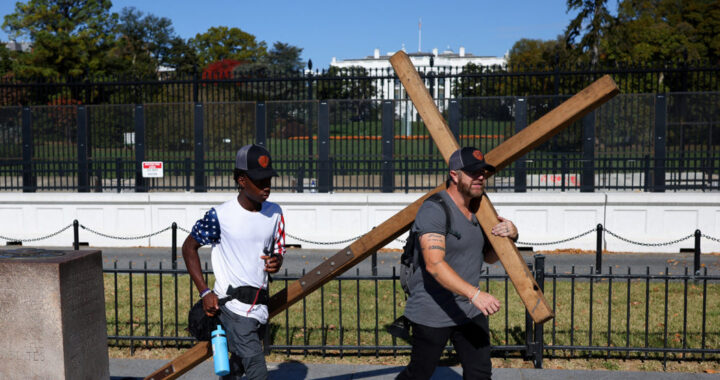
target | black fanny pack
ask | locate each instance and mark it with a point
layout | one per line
(201, 326)
(246, 294)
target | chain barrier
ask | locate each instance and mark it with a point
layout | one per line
(325, 242)
(358, 237)
(125, 237)
(39, 238)
(648, 244)
(558, 241)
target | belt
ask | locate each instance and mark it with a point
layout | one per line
(247, 294)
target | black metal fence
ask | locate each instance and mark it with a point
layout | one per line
(620, 315)
(646, 142)
(356, 83)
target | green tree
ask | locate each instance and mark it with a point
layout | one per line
(144, 43)
(6, 62)
(284, 57)
(182, 57)
(221, 42)
(591, 24)
(70, 38)
(665, 30)
(530, 53)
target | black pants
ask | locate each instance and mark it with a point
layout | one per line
(471, 342)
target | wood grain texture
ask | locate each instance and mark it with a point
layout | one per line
(532, 136)
(183, 363)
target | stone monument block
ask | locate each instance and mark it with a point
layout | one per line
(52, 315)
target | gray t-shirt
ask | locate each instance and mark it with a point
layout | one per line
(430, 304)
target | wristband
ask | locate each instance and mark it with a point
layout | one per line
(472, 300)
(205, 292)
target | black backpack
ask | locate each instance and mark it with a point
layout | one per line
(409, 263)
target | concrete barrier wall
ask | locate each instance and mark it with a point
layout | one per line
(321, 218)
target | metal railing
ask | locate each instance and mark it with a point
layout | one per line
(647, 142)
(148, 308)
(443, 82)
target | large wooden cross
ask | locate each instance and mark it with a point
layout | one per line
(535, 134)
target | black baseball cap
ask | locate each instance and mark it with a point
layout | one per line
(255, 161)
(469, 159)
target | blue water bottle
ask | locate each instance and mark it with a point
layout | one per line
(220, 352)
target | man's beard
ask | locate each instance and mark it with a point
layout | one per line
(468, 191)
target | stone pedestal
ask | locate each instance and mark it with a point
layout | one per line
(52, 315)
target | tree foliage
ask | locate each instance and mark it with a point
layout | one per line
(664, 30)
(70, 38)
(221, 42)
(144, 43)
(590, 24)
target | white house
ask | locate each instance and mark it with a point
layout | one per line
(438, 62)
(435, 62)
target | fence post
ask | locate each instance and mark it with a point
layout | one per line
(529, 346)
(300, 178)
(260, 123)
(598, 249)
(388, 143)
(696, 260)
(539, 337)
(520, 124)
(83, 181)
(323, 147)
(76, 235)
(587, 179)
(373, 263)
(199, 150)
(660, 142)
(119, 173)
(29, 183)
(174, 246)
(139, 148)
(454, 119)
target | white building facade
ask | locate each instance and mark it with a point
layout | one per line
(435, 62)
(440, 64)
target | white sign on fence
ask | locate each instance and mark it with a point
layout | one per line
(152, 169)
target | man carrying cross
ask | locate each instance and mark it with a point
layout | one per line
(445, 301)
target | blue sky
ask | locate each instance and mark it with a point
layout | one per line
(353, 29)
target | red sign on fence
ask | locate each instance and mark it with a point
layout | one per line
(152, 169)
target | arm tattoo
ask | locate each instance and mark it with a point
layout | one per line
(440, 247)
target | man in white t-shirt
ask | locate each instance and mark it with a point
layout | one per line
(247, 235)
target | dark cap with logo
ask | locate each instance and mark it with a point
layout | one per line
(255, 161)
(469, 159)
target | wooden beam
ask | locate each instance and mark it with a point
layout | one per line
(373, 240)
(513, 148)
(183, 363)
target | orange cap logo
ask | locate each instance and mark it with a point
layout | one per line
(264, 161)
(478, 154)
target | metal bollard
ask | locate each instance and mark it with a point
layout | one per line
(76, 235)
(174, 246)
(598, 250)
(696, 260)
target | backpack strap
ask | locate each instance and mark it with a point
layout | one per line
(437, 198)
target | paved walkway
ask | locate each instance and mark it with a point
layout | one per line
(133, 369)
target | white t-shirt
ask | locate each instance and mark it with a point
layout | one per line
(239, 237)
